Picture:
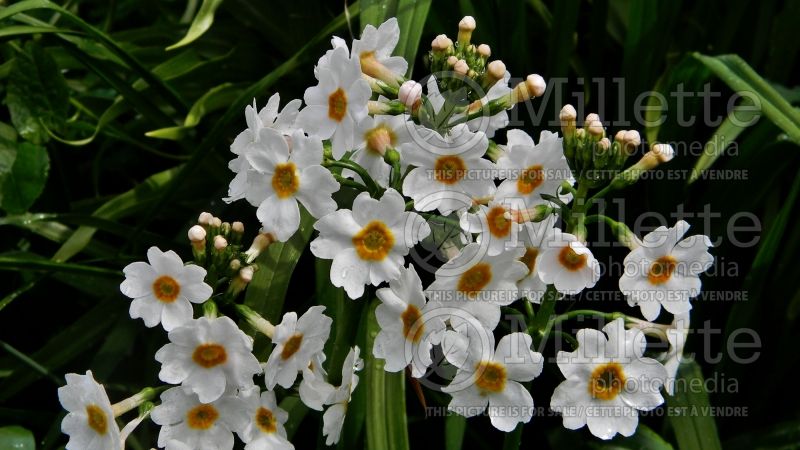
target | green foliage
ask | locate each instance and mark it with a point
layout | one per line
(693, 425)
(16, 438)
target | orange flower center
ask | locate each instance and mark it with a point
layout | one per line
(490, 376)
(529, 258)
(291, 346)
(285, 181)
(661, 269)
(606, 381)
(499, 226)
(530, 179)
(475, 279)
(379, 139)
(413, 328)
(266, 420)
(209, 355)
(96, 418)
(202, 417)
(449, 169)
(571, 260)
(337, 105)
(166, 289)
(374, 241)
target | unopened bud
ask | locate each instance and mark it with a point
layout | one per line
(220, 243)
(495, 71)
(620, 136)
(237, 231)
(240, 281)
(533, 86)
(632, 138)
(441, 43)
(205, 219)
(410, 93)
(197, 236)
(256, 320)
(216, 222)
(658, 154)
(595, 128)
(235, 265)
(391, 157)
(484, 50)
(536, 214)
(604, 144)
(461, 67)
(568, 117)
(452, 60)
(664, 152)
(465, 29)
(260, 243)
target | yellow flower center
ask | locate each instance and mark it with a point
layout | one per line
(202, 417)
(475, 279)
(379, 139)
(285, 181)
(571, 260)
(449, 169)
(291, 346)
(413, 328)
(606, 381)
(374, 241)
(490, 377)
(209, 355)
(337, 105)
(96, 418)
(166, 289)
(530, 179)
(499, 226)
(266, 421)
(529, 258)
(661, 269)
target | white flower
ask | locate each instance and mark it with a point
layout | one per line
(380, 43)
(337, 103)
(406, 335)
(491, 377)
(490, 124)
(676, 336)
(315, 389)
(567, 263)
(496, 232)
(368, 244)
(287, 176)
(197, 425)
(607, 381)
(447, 169)
(264, 430)
(374, 136)
(164, 290)
(296, 342)
(665, 272)
(90, 421)
(532, 169)
(207, 356)
(533, 236)
(477, 283)
(333, 419)
(268, 117)
(325, 60)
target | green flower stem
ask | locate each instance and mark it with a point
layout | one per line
(372, 187)
(440, 219)
(540, 321)
(579, 313)
(347, 182)
(145, 395)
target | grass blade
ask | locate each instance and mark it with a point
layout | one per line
(201, 23)
(694, 425)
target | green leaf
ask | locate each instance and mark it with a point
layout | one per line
(411, 16)
(781, 436)
(375, 12)
(23, 185)
(375, 385)
(16, 438)
(345, 313)
(643, 438)
(691, 419)
(740, 77)
(44, 265)
(216, 98)
(37, 95)
(201, 23)
(297, 411)
(396, 421)
(454, 428)
(562, 37)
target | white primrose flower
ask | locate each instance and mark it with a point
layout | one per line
(268, 117)
(296, 341)
(676, 336)
(287, 176)
(367, 244)
(665, 271)
(265, 428)
(477, 283)
(607, 381)
(567, 263)
(197, 425)
(532, 169)
(375, 135)
(407, 333)
(89, 422)
(163, 290)
(207, 356)
(533, 237)
(324, 61)
(495, 230)
(379, 43)
(492, 377)
(337, 103)
(315, 389)
(333, 419)
(447, 168)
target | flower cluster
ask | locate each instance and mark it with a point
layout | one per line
(411, 157)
